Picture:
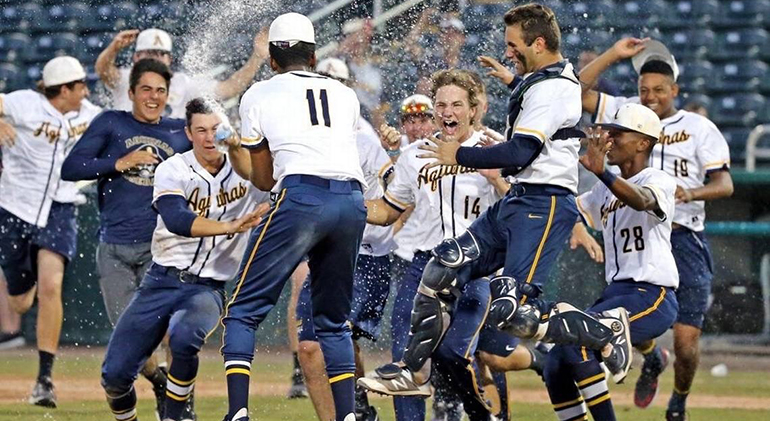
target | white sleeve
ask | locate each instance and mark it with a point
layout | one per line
(541, 116)
(663, 187)
(251, 130)
(589, 205)
(400, 193)
(607, 106)
(12, 106)
(169, 180)
(713, 152)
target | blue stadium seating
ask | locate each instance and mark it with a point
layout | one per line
(10, 76)
(739, 76)
(737, 109)
(13, 46)
(689, 13)
(694, 75)
(589, 13)
(113, 16)
(68, 17)
(632, 13)
(742, 13)
(738, 44)
(689, 44)
(736, 141)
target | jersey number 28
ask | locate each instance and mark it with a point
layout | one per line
(634, 239)
(324, 108)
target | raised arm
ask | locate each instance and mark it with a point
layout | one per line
(589, 75)
(380, 212)
(105, 64)
(239, 81)
(262, 167)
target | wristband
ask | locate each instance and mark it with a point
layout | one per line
(607, 177)
(396, 152)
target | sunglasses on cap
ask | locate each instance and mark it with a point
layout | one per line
(414, 108)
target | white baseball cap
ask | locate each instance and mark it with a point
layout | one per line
(292, 28)
(416, 104)
(636, 118)
(153, 39)
(333, 67)
(61, 70)
(655, 50)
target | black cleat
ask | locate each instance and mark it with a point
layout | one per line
(43, 393)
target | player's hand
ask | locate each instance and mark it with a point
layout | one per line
(125, 38)
(491, 174)
(443, 151)
(683, 195)
(7, 134)
(248, 221)
(629, 47)
(137, 157)
(390, 137)
(491, 137)
(598, 144)
(261, 48)
(496, 69)
(581, 237)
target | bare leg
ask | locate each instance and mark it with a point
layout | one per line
(687, 353)
(297, 278)
(10, 321)
(51, 313)
(519, 359)
(314, 368)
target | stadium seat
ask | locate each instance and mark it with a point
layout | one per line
(9, 77)
(743, 13)
(114, 17)
(737, 109)
(13, 46)
(739, 44)
(92, 44)
(689, 13)
(694, 75)
(49, 46)
(689, 44)
(479, 18)
(633, 13)
(736, 140)
(585, 13)
(67, 16)
(686, 97)
(739, 76)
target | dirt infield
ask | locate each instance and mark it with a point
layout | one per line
(78, 380)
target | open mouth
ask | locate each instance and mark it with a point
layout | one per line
(450, 126)
(151, 105)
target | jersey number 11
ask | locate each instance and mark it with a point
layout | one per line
(324, 108)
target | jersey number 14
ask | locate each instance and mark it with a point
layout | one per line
(324, 108)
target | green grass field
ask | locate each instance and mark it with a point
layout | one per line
(742, 395)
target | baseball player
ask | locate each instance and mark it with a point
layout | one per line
(524, 232)
(690, 149)
(309, 158)
(205, 204)
(121, 150)
(37, 209)
(156, 44)
(446, 201)
(635, 212)
(371, 283)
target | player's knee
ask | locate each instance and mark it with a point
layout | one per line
(307, 350)
(447, 354)
(21, 303)
(115, 382)
(185, 340)
(49, 289)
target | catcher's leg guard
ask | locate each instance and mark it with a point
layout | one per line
(430, 317)
(507, 294)
(562, 324)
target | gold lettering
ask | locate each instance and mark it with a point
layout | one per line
(678, 137)
(433, 175)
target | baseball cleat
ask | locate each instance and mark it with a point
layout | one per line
(394, 380)
(241, 415)
(676, 415)
(647, 385)
(188, 413)
(43, 393)
(298, 389)
(621, 356)
(159, 390)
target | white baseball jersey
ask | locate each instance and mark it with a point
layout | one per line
(404, 238)
(221, 197)
(637, 245)
(181, 90)
(310, 123)
(375, 163)
(447, 199)
(548, 106)
(689, 148)
(31, 178)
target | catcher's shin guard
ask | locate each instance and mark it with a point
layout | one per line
(430, 320)
(507, 294)
(566, 325)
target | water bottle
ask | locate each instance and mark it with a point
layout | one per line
(224, 132)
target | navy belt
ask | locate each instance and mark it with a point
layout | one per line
(186, 277)
(340, 186)
(521, 189)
